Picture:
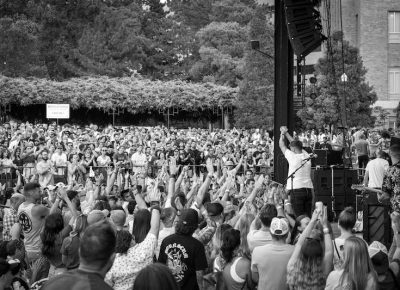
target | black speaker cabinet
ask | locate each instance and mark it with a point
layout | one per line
(377, 224)
(304, 26)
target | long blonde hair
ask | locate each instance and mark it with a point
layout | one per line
(357, 265)
(243, 225)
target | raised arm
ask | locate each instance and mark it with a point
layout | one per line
(328, 256)
(306, 233)
(64, 196)
(180, 178)
(206, 184)
(282, 144)
(155, 221)
(257, 187)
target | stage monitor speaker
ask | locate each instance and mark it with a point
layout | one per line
(304, 26)
(322, 157)
(377, 224)
(395, 140)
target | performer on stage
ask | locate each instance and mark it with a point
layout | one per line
(302, 194)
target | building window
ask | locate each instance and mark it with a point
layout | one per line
(394, 27)
(394, 83)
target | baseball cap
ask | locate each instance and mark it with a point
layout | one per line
(229, 163)
(118, 217)
(279, 227)
(95, 216)
(189, 217)
(379, 257)
(214, 208)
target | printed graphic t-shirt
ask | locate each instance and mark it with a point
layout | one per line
(184, 255)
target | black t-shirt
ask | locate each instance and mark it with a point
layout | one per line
(184, 255)
(120, 157)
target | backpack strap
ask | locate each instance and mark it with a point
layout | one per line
(337, 251)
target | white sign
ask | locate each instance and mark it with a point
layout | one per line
(57, 111)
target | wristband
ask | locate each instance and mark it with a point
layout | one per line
(326, 231)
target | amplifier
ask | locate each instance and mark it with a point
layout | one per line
(322, 157)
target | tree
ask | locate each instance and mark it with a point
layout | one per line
(255, 100)
(325, 108)
(135, 94)
(221, 53)
(19, 48)
(63, 23)
(113, 45)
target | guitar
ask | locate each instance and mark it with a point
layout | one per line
(380, 193)
(362, 187)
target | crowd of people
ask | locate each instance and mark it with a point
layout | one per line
(157, 208)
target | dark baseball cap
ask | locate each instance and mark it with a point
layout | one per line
(189, 217)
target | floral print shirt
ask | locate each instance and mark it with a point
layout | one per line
(391, 185)
(126, 266)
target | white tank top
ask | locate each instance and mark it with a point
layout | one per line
(31, 227)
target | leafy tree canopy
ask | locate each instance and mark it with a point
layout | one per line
(255, 101)
(135, 94)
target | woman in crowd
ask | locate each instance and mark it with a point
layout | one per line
(215, 256)
(6, 162)
(52, 237)
(127, 265)
(54, 233)
(75, 169)
(236, 268)
(155, 277)
(311, 260)
(300, 225)
(161, 161)
(29, 158)
(70, 245)
(243, 225)
(347, 220)
(357, 272)
(16, 158)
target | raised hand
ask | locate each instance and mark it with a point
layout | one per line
(316, 215)
(173, 168)
(155, 194)
(324, 217)
(258, 184)
(210, 166)
(240, 179)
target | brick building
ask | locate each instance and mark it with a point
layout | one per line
(374, 27)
